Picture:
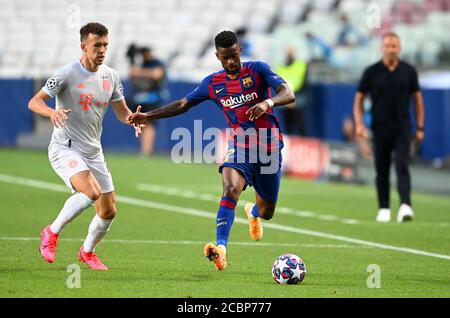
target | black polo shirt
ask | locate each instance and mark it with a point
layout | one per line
(390, 93)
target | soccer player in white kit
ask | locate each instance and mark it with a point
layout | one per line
(83, 90)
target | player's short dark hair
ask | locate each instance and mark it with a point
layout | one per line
(146, 49)
(94, 28)
(390, 34)
(225, 39)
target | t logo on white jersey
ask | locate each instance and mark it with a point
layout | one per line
(86, 100)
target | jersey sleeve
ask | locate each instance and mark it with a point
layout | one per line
(57, 82)
(200, 93)
(414, 81)
(117, 88)
(271, 78)
(364, 83)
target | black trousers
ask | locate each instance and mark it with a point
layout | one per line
(398, 145)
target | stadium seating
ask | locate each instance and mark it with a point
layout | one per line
(38, 36)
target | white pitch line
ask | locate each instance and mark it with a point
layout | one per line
(33, 183)
(327, 217)
(349, 221)
(170, 190)
(281, 210)
(209, 215)
(214, 198)
(201, 243)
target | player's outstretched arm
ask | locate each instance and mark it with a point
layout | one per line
(175, 108)
(284, 96)
(38, 105)
(123, 113)
(121, 110)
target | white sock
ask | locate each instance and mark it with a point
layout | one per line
(73, 207)
(97, 230)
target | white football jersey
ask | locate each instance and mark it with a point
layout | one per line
(88, 95)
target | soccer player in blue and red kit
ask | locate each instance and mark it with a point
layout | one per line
(242, 92)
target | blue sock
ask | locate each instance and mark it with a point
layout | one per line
(255, 211)
(225, 219)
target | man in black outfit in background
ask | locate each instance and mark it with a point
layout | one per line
(390, 84)
(148, 82)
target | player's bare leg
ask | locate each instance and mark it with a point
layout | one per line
(255, 213)
(88, 190)
(100, 225)
(86, 183)
(233, 184)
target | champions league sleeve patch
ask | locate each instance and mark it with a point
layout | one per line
(51, 83)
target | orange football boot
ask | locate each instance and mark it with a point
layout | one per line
(255, 227)
(216, 255)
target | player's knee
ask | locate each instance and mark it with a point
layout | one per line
(231, 191)
(109, 214)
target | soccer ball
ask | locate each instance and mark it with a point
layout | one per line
(288, 269)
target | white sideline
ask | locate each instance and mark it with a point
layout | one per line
(177, 192)
(200, 243)
(194, 212)
(214, 198)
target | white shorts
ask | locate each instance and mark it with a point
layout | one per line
(67, 162)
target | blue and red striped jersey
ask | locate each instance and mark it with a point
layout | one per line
(235, 96)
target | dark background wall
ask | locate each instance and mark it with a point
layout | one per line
(328, 105)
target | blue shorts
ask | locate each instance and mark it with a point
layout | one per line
(267, 185)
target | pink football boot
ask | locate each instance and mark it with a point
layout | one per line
(49, 240)
(91, 260)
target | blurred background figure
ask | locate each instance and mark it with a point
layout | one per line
(294, 72)
(148, 85)
(319, 49)
(363, 144)
(349, 35)
(245, 42)
(391, 83)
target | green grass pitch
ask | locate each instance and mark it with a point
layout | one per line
(166, 214)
